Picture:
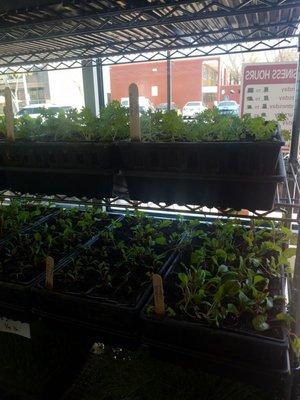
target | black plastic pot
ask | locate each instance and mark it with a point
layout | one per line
(256, 192)
(228, 342)
(74, 169)
(209, 158)
(112, 321)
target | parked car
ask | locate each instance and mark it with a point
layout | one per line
(35, 110)
(192, 108)
(228, 107)
(164, 106)
(144, 103)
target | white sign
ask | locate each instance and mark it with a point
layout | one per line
(268, 89)
(15, 327)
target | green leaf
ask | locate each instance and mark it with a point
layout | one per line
(257, 279)
(282, 260)
(183, 278)
(231, 287)
(244, 299)
(37, 237)
(286, 231)
(269, 246)
(296, 346)
(161, 240)
(281, 117)
(221, 254)
(287, 318)
(231, 308)
(198, 257)
(290, 252)
(199, 296)
(259, 323)
(170, 312)
(286, 134)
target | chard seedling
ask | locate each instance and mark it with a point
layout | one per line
(227, 275)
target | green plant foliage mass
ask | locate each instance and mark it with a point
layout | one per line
(113, 125)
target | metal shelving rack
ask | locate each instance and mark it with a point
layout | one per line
(53, 35)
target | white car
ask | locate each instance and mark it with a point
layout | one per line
(34, 110)
(192, 108)
(228, 107)
(144, 103)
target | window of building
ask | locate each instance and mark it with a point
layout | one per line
(209, 99)
(37, 95)
(210, 75)
(154, 91)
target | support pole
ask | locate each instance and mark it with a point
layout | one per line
(134, 112)
(100, 84)
(296, 285)
(9, 114)
(89, 79)
(169, 81)
(296, 119)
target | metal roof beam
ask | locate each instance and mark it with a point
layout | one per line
(211, 11)
(115, 10)
(155, 56)
(133, 46)
(92, 52)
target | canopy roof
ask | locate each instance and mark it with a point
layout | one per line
(50, 31)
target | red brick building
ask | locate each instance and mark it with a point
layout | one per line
(201, 79)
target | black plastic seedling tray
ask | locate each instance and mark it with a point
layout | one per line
(16, 297)
(243, 157)
(74, 169)
(114, 321)
(56, 154)
(70, 182)
(224, 191)
(196, 338)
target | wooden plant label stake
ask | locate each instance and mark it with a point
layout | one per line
(9, 114)
(159, 299)
(134, 112)
(49, 273)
